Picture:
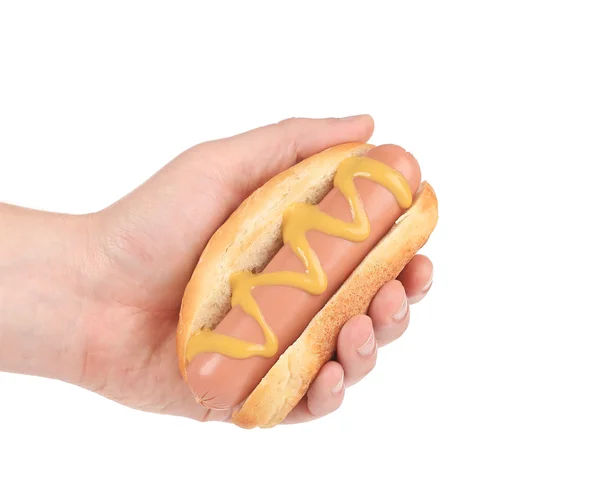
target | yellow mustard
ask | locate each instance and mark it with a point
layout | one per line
(298, 219)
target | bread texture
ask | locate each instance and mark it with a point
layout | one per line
(251, 237)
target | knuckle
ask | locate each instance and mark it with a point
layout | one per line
(289, 122)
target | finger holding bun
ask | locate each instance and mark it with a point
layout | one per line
(225, 353)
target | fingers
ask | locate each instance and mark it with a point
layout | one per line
(324, 396)
(357, 349)
(417, 278)
(388, 318)
(356, 353)
(251, 158)
(389, 312)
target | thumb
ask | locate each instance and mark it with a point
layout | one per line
(248, 160)
(179, 208)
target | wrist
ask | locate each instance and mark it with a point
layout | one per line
(42, 256)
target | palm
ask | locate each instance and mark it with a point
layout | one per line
(132, 355)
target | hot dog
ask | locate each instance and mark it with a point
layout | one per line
(262, 377)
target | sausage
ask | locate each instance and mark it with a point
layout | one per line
(221, 382)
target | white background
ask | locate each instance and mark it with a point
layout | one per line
(494, 389)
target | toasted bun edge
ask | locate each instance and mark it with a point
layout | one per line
(287, 381)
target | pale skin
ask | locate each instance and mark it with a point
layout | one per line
(94, 299)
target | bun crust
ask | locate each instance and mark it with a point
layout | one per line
(288, 380)
(252, 236)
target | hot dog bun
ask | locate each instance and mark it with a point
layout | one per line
(250, 238)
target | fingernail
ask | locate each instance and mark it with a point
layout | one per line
(351, 118)
(429, 283)
(413, 299)
(419, 296)
(367, 348)
(402, 312)
(339, 386)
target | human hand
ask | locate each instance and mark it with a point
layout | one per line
(141, 251)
